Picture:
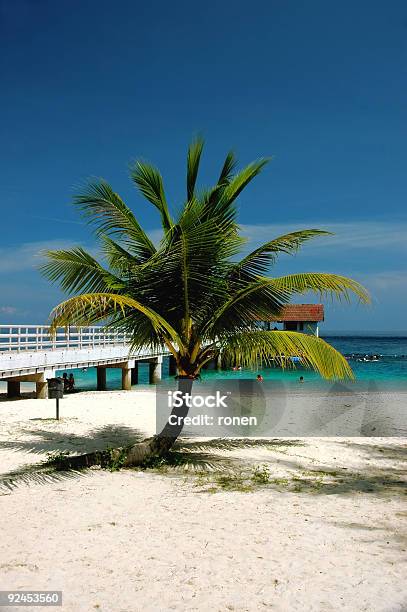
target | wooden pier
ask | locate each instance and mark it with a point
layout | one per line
(29, 353)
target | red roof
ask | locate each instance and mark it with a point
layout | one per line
(301, 312)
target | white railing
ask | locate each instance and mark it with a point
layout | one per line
(37, 338)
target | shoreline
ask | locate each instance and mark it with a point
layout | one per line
(294, 387)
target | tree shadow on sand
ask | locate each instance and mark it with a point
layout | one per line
(196, 456)
(48, 441)
(54, 442)
(390, 479)
(389, 452)
(229, 444)
(342, 483)
(375, 478)
(211, 457)
(190, 455)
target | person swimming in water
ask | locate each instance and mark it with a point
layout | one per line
(259, 377)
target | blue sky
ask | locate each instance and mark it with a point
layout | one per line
(89, 85)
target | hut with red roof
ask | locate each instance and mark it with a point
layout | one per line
(298, 317)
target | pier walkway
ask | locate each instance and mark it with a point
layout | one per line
(29, 353)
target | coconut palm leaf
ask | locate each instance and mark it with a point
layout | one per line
(150, 183)
(228, 168)
(238, 182)
(193, 159)
(253, 349)
(259, 260)
(265, 297)
(91, 308)
(254, 302)
(104, 209)
(118, 258)
(77, 271)
(326, 285)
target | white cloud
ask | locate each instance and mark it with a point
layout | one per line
(386, 281)
(7, 310)
(27, 256)
(359, 235)
(155, 235)
(371, 236)
(356, 235)
(379, 268)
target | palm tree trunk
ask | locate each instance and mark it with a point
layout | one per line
(139, 453)
(161, 443)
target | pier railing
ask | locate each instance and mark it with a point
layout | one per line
(38, 338)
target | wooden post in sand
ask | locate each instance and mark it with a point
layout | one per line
(126, 378)
(13, 389)
(155, 367)
(101, 378)
(41, 387)
(134, 374)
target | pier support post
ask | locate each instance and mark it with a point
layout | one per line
(126, 378)
(41, 387)
(134, 374)
(101, 379)
(13, 389)
(40, 380)
(155, 369)
(172, 366)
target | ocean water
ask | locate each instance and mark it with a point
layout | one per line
(390, 371)
(392, 352)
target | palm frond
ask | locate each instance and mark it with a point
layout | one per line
(253, 349)
(265, 297)
(256, 300)
(76, 270)
(193, 266)
(117, 257)
(150, 183)
(331, 285)
(91, 308)
(193, 159)
(259, 260)
(241, 180)
(104, 209)
(228, 168)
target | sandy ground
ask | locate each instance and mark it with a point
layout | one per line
(324, 526)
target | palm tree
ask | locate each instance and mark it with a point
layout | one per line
(191, 293)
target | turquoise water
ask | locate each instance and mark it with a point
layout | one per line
(392, 351)
(389, 371)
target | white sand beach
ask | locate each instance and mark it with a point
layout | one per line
(327, 531)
